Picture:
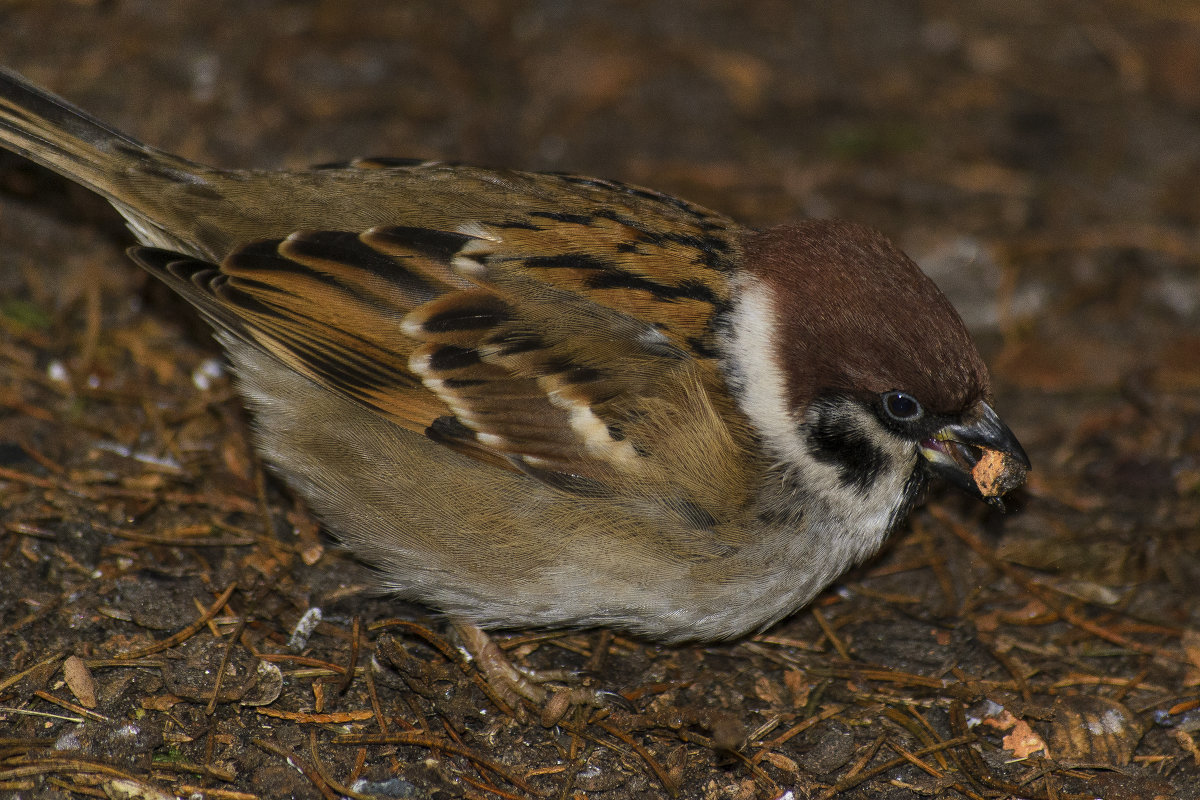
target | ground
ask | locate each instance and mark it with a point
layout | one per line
(1040, 159)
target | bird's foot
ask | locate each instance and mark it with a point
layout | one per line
(511, 683)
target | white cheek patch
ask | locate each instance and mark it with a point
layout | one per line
(752, 359)
(856, 520)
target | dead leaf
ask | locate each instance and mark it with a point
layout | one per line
(1093, 729)
(782, 762)
(162, 702)
(80, 681)
(799, 686)
(767, 691)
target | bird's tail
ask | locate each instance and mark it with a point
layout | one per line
(52, 132)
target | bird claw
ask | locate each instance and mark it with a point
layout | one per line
(512, 684)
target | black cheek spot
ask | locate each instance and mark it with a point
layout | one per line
(858, 461)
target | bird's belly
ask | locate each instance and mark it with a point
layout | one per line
(504, 550)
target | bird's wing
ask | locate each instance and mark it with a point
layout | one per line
(579, 348)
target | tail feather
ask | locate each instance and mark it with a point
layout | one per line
(131, 175)
(52, 132)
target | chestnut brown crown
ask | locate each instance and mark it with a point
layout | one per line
(857, 316)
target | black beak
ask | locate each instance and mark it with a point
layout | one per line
(979, 455)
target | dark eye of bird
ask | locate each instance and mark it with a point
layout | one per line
(902, 407)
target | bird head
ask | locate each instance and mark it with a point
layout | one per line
(855, 369)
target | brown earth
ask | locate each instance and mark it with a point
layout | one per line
(1040, 159)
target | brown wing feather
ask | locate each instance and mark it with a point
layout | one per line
(575, 347)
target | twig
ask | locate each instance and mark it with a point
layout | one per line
(336, 785)
(659, 771)
(795, 730)
(421, 739)
(827, 629)
(216, 692)
(187, 632)
(355, 636)
(310, 773)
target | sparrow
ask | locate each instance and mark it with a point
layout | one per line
(543, 399)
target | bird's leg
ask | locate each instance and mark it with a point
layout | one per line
(501, 674)
(512, 683)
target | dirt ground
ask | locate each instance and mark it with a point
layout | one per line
(1040, 159)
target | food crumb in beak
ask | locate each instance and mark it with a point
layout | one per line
(997, 473)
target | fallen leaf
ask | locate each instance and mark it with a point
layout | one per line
(80, 681)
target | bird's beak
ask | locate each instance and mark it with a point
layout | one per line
(979, 455)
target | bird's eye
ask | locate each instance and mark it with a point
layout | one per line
(902, 407)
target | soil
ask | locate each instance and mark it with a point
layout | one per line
(173, 623)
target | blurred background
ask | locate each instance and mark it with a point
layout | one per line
(1020, 151)
(1039, 158)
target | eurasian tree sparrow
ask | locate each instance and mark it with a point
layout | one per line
(552, 400)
